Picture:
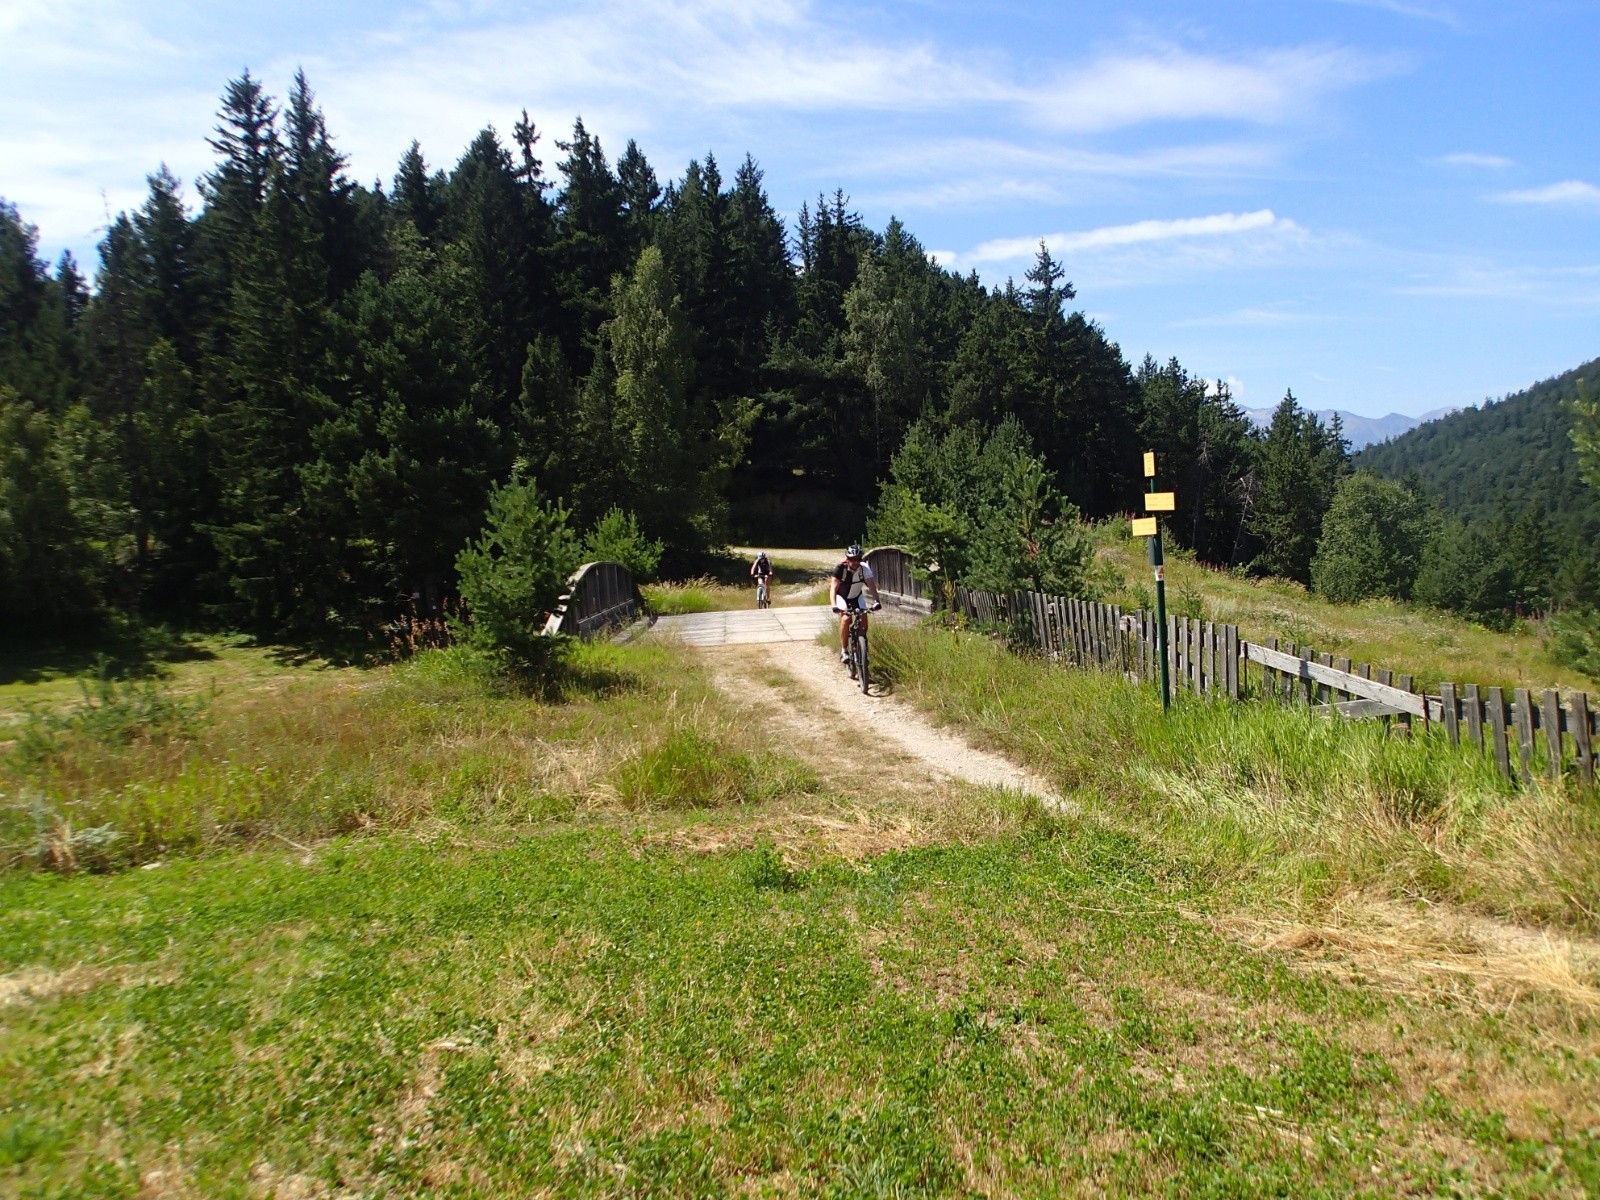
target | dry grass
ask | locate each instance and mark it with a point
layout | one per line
(1432, 950)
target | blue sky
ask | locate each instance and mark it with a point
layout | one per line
(1386, 205)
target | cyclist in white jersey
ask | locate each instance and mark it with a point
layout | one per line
(850, 578)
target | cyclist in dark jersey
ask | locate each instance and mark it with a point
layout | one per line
(761, 572)
(850, 578)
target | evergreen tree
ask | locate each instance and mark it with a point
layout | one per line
(1205, 446)
(495, 265)
(37, 315)
(591, 243)
(1464, 571)
(513, 571)
(641, 198)
(418, 196)
(407, 466)
(1301, 463)
(46, 565)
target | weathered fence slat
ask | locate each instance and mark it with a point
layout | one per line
(1231, 658)
(1452, 718)
(1522, 711)
(1550, 711)
(1497, 728)
(1578, 707)
(1361, 688)
(1474, 715)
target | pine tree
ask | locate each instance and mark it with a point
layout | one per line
(493, 265)
(417, 195)
(641, 198)
(591, 243)
(46, 565)
(1300, 465)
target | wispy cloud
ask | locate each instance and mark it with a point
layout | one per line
(1245, 318)
(1137, 233)
(1178, 85)
(1563, 287)
(1489, 162)
(1439, 13)
(1571, 191)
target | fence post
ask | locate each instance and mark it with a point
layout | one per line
(1474, 715)
(1578, 708)
(1234, 665)
(1497, 728)
(1550, 714)
(1524, 719)
(1452, 719)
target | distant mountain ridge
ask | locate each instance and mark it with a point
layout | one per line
(1362, 431)
(1495, 459)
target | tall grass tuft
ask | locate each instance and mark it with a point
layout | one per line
(1271, 797)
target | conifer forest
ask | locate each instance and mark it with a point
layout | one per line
(284, 399)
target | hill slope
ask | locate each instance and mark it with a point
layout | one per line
(1361, 431)
(1478, 461)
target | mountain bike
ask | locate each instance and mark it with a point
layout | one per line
(763, 592)
(856, 639)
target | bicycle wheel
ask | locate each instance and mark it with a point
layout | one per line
(861, 662)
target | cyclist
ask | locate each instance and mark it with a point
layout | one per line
(850, 578)
(761, 572)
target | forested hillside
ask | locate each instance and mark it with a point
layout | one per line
(284, 402)
(1488, 462)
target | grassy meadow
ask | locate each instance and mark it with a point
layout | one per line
(1427, 644)
(414, 931)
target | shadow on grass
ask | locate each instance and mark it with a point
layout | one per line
(118, 652)
(734, 570)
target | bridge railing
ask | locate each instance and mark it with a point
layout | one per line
(599, 595)
(894, 571)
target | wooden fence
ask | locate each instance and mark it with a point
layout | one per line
(599, 595)
(893, 571)
(1530, 734)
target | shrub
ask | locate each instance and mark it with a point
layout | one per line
(110, 712)
(616, 538)
(1573, 639)
(513, 573)
(1372, 540)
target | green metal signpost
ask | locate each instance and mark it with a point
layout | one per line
(1150, 527)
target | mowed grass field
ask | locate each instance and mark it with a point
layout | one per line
(613, 938)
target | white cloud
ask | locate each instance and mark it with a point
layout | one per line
(1137, 233)
(1572, 191)
(1177, 85)
(1490, 162)
(896, 115)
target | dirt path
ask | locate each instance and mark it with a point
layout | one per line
(828, 720)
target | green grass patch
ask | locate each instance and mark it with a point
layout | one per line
(580, 1013)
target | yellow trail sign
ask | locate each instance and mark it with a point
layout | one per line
(1144, 527)
(1161, 502)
